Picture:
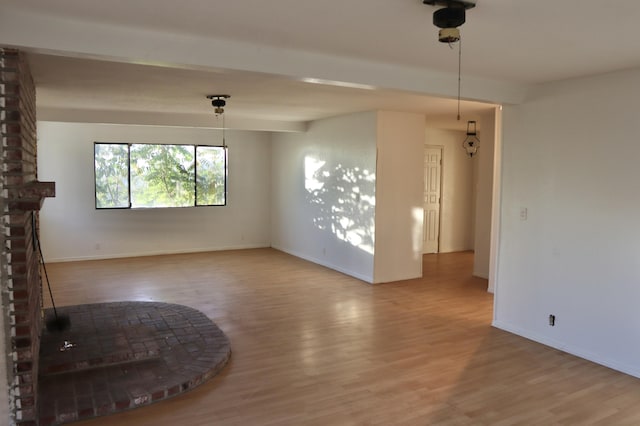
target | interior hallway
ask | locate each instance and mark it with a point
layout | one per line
(312, 346)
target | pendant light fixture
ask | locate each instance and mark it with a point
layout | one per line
(448, 19)
(218, 102)
(471, 142)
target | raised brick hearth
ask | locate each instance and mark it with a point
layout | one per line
(125, 355)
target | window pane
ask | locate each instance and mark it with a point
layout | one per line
(211, 173)
(111, 162)
(162, 175)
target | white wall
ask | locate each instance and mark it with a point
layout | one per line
(570, 156)
(316, 212)
(484, 194)
(457, 206)
(71, 228)
(399, 196)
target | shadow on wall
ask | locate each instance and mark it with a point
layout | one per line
(344, 201)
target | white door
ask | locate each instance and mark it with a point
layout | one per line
(432, 172)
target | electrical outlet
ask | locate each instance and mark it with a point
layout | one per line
(524, 213)
(552, 320)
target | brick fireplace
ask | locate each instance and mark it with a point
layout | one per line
(21, 197)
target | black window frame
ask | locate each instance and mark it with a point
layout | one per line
(225, 151)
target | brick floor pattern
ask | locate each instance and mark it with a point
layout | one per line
(125, 355)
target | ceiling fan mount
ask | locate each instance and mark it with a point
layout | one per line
(449, 18)
(218, 102)
(451, 3)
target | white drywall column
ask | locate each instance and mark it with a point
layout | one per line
(484, 194)
(399, 196)
(496, 202)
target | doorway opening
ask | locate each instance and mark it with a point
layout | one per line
(461, 194)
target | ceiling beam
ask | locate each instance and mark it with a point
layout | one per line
(56, 35)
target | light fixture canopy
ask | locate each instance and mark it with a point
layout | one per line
(449, 18)
(218, 102)
(450, 3)
(471, 142)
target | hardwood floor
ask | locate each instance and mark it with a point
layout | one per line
(314, 347)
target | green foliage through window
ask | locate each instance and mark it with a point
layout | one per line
(153, 175)
(112, 175)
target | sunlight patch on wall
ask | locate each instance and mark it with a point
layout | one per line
(311, 167)
(344, 198)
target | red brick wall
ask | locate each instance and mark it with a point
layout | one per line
(21, 285)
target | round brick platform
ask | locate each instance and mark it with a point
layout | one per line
(124, 355)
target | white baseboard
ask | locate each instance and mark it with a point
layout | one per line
(324, 263)
(573, 350)
(480, 275)
(154, 253)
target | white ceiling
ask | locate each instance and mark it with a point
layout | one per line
(507, 41)
(71, 83)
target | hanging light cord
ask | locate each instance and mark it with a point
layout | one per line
(459, 73)
(224, 142)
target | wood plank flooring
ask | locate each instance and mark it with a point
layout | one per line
(312, 346)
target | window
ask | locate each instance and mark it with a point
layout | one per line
(153, 176)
